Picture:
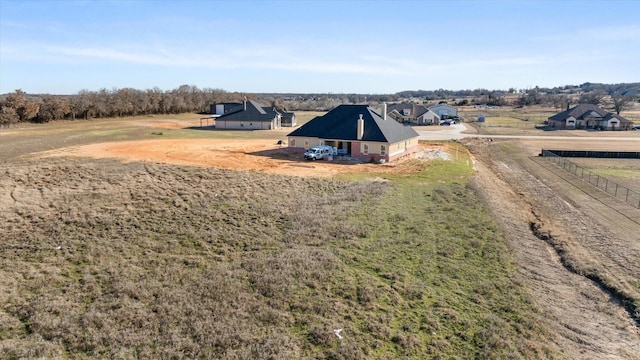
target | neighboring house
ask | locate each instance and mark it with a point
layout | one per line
(414, 114)
(357, 131)
(288, 119)
(220, 109)
(588, 116)
(248, 115)
(444, 111)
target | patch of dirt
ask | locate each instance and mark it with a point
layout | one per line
(578, 256)
(248, 155)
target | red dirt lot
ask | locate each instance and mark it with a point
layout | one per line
(237, 154)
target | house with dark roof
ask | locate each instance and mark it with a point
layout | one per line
(588, 116)
(444, 111)
(414, 114)
(247, 115)
(357, 131)
(288, 118)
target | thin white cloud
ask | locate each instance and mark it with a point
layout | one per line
(259, 58)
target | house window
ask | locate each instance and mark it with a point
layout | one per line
(365, 149)
(306, 144)
(383, 150)
(292, 143)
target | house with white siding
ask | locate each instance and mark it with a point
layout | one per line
(444, 111)
(413, 114)
(247, 115)
(588, 116)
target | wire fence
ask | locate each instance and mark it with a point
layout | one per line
(612, 188)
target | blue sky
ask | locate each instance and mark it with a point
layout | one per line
(376, 47)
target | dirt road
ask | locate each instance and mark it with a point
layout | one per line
(579, 256)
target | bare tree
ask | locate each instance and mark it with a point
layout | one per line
(620, 103)
(8, 116)
(80, 104)
(25, 108)
(53, 108)
(592, 97)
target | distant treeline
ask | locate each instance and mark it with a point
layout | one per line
(618, 89)
(22, 107)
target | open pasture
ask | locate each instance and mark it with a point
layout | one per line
(625, 172)
(109, 254)
(151, 237)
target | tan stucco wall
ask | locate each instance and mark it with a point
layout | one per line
(300, 142)
(403, 144)
(374, 147)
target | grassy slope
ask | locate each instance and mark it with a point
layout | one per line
(452, 280)
(179, 262)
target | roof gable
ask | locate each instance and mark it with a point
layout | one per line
(582, 111)
(577, 112)
(414, 110)
(442, 106)
(341, 123)
(254, 111)
(622, 120)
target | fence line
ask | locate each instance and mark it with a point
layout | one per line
(612, 188)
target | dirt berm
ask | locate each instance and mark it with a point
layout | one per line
(577, 248)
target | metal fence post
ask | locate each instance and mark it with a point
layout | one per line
(573, 168)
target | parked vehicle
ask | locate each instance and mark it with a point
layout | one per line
(635, 127)
(318, 152)
(445, 123)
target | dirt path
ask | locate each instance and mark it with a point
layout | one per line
(589, 321)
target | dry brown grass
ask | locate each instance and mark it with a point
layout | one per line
(141, 260)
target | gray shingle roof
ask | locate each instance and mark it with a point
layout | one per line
(415, 109)
(578, 112)
(614, 116)
(341, 123)
(582, 110)
(254, 112)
